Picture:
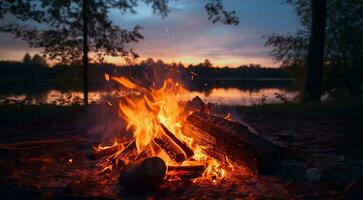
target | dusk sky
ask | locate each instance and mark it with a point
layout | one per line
(186, 34)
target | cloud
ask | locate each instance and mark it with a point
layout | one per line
(187, 35)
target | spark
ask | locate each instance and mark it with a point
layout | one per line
(107, 77)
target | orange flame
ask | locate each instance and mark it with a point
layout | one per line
(145, 110)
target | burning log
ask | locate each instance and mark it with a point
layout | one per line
(144, 175)
(196, 104)
(130, 154)
(126, 156)
(185, 172)
(223, 137)
(107, 151)
(186, 168)
(150, 150)
(176, 149)
(186, 150)
(166, 141)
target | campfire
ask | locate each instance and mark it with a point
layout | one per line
(174, 140)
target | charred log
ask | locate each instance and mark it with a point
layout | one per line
(166, 141)
(196, 104)
(126, 156)
(170, 149)
(101, 153)
(105, 152)
(144, 175)
(150, 150)
(186, 150)
(185, 172)
(186, 168)
(176, 149)
(225, 138)
(130, 154)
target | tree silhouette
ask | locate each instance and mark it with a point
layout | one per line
(76, 28)
(39, 60)
(343, 41)
(207, 63)
(217, 13)
(27, 59)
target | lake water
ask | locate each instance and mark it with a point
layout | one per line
(241, 93)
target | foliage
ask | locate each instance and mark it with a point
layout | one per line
(69, 30)
(33, 79)
(27, 58)
(60, 35)
(37, 59)
(57, 25)
(216, 13)
(344, 28)
(343, 46)
(149, 67)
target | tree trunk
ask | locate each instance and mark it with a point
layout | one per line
(85, 51)
(316, 52)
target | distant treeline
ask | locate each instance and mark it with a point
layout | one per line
(149, 72)
(38, 69)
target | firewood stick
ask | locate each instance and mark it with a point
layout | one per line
(105, 152)
(186, 150)
(100, 153)
(185, 172)
(186, 168)
(144, 175)
(183, 175)
(170, 149)
(125, 156)
(130, 154)
(150, 150)
(172, 146)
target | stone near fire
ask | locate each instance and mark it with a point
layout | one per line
(144, 175)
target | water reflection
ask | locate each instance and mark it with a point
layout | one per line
(54, 97)
(234, 96)
(221, 96)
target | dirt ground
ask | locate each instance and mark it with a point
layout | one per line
(49, 159)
